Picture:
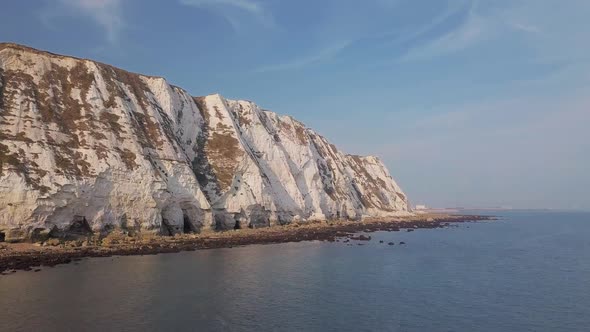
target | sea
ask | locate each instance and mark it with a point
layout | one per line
(528, 271)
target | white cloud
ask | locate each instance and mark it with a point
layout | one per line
(338, 39)
(552, 33)
(297, 63)
(106, 13)
(247, 5)
(452, 8)
(525, 27)
(227, 9)
(474, 29)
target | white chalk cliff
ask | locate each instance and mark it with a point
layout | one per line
(81, 140)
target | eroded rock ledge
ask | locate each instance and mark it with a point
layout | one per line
(87, 147)
(22, 256)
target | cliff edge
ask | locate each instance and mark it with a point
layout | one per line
(87, 147)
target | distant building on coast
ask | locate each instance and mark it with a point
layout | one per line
(420, 207)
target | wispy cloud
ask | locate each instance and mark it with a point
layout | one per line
(106, 13)
(247, 5)
(234, 10)
(537, 144)
(474, 29)
(525, 27)
(338, 41)
(298, 63)
(535, 18)
(453, 8)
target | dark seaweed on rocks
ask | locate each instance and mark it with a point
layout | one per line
(66, 252)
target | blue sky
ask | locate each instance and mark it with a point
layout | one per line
(469, 103)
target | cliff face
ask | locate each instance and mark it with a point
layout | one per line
(84, 144)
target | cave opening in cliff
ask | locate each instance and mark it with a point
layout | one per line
(238, 225)
(188, 226)
(166, 229)
(80, 226)
(2, 237)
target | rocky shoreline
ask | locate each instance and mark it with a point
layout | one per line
(29, 256)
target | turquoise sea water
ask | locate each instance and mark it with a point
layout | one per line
(529, 272)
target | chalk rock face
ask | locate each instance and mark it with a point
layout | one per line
(84, 144)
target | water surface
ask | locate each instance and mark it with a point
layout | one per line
(530, 272)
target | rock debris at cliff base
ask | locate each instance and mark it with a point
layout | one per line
(24, 256)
